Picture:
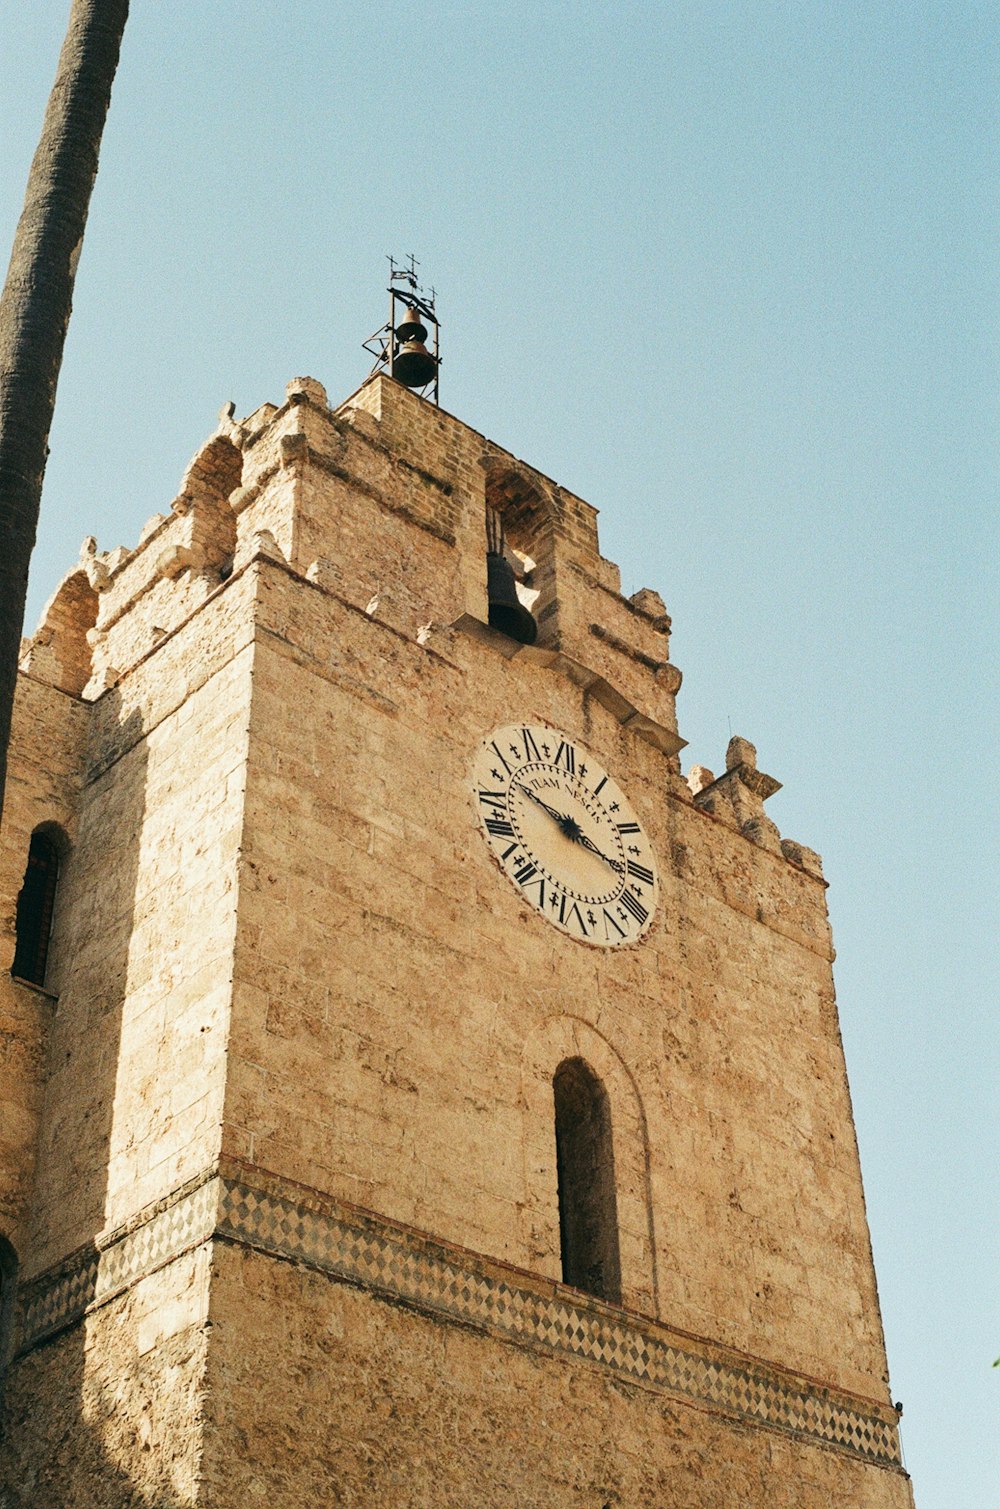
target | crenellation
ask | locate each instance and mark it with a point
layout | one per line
(59, 650)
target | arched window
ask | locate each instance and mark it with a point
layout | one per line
(588, 1213)
(35, 906)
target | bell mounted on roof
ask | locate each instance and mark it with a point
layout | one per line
(412, 363)
(400, 346)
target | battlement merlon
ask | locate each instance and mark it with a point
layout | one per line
(737, 798)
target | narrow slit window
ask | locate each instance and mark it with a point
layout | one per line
(8, 1280)
(588, 1213)
(35, 906)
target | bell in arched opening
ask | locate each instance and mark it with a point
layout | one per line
(506, 610)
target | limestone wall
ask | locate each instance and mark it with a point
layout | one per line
(146, 911)
(399, 1011)
(392, 1408)
(45, 773)
(108, 1415)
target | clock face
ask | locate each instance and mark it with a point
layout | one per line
(564, 834)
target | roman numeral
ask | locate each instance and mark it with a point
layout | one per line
(640, 872)
(628, 827)
(528, 875)
(500, 757)
(531, 750)
(566, 916)
(637, 909)
(567, 754)
(600, 785)
(614, 923)
(496, 799)
(499, 827)
(509, 851)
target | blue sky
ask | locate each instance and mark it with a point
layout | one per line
(729, 272)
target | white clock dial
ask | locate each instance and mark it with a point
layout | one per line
(564, 834)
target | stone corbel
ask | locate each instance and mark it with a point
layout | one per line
(175, 560)
(293, 450)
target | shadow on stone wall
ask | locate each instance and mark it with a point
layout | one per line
(83, 1402)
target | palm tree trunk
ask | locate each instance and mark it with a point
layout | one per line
(37, 298)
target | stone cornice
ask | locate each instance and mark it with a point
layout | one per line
(589, 681)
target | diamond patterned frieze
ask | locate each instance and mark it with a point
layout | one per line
(395, 1261)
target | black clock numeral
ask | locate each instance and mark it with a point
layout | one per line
(570, 913)
(500, 757)
(509, 851)
(497, 821)
(639, 872)
(527, 875)
(531, 750)
(566, 755)
(637, 909)
(628, 827)
(608, 918)
(600, 786)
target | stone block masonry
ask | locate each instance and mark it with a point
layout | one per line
(277, 1158)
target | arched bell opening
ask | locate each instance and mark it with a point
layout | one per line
(60, 651)
(520, 574)
(588, 1206)
(211, 478)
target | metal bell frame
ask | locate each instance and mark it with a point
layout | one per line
(399, 344)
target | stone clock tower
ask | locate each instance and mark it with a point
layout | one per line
(414, 1092)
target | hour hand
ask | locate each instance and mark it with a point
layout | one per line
(588, 844)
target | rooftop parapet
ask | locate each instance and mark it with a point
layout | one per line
(383, 501)
(737, 798)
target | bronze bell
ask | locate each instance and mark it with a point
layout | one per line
(507, 612)
(410, 327)
(413, 365)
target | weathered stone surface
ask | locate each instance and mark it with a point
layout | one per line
(282, 948)
(391, 1408)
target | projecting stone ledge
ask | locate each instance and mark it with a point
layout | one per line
(629, 716)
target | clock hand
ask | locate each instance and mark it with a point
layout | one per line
(570, 827)
(559, 817)
(587, 844)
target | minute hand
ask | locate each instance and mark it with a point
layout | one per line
(560, 817)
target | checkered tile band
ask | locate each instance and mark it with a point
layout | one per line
(373, 1254)
(94, 1275)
